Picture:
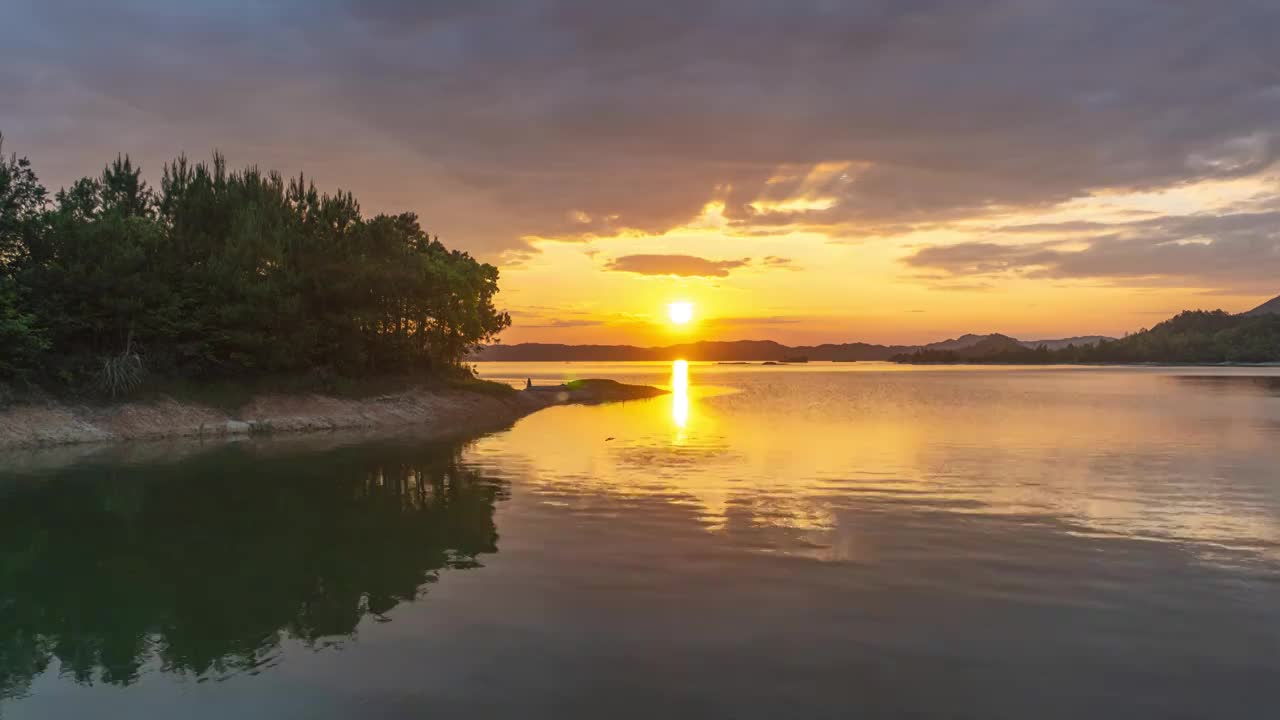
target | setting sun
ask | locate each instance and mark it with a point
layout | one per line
(680, 312)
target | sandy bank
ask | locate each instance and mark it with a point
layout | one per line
(429, 411)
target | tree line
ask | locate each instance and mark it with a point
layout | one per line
(223, 274)
(1193, 336)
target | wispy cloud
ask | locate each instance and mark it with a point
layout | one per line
(774, 261)
(1241, 250)
(681, 265)
(763, 320)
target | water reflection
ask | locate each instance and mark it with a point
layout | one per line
(820, 542)
(1244, 384)
(206, 566)
(680, 396)
(1123, 452)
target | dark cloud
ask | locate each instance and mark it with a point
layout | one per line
(502, 120)
(683, 265)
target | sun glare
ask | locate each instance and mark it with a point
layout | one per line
(680, 312)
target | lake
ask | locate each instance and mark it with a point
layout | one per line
(821, 541)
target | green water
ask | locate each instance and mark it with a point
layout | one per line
(826, 541)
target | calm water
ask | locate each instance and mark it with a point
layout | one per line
(823, 541)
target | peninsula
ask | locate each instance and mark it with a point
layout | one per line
(234, 302)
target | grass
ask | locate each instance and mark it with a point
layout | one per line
(484, 387)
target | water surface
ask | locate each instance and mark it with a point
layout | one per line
(818, 541)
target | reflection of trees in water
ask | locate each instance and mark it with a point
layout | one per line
(206, 565)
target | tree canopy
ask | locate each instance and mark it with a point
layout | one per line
(220, 273)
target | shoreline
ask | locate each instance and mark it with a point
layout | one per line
(430, 412)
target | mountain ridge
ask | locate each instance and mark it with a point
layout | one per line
(760, 350)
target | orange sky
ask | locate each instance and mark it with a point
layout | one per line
(803, 285)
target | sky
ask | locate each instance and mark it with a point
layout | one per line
(892, 171)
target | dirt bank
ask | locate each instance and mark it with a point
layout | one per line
(430, 411)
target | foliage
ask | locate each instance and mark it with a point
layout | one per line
(220, 274)
(121, 374)
(22, 200)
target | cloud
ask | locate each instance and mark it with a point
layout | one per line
(560, 324)
(981, 258)
(682, 265)
(1240, 250)
(753, 321)
(500, 121)
(774, 261)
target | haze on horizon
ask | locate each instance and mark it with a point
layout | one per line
(893, 171)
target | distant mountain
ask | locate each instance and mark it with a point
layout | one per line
(713, 351)
(1195, 336)
(994, 344)
(1061, 343)
(963, 341)
(1270, 307)
(758, 350)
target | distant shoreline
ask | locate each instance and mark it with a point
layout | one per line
(735, 350)
(764, 363)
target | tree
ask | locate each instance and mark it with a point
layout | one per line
(230, 274)
(22, 203)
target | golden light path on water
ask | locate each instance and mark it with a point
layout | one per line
(680, 397)
(791, 448)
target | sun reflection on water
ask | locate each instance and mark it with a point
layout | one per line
(680, 396)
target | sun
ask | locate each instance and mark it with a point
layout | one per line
(680, 312)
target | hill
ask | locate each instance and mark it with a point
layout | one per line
(1079, 341)
(964, 341)
(969, 340)
(1269, 307)
(1198, 336)
(995, 344)
(760, 350)
(990, 348)
(1194, 336)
